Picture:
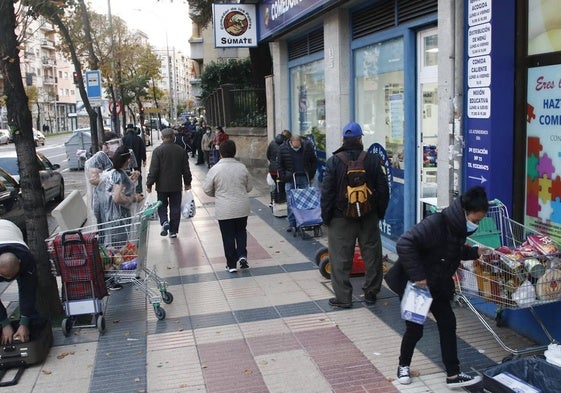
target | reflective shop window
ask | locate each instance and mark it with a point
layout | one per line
(379, 103)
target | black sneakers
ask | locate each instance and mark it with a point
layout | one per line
(333, 302)
(403, 375)
(165, 228)
(461, 380)
(369, 299)
(243, 263)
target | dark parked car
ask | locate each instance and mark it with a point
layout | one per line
(52, 181)
(11, 205)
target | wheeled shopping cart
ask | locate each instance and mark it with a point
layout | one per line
(305, 205)
(523, 271)
(75, 256)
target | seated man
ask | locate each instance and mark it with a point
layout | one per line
(17, 263)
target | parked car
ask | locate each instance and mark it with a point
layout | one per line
(38, 137)
(52, 182)
(11, 205)
(4, 137)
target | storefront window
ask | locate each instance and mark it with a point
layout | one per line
(379, 101)
(307, 98)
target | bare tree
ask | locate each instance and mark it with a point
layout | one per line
(20, 123)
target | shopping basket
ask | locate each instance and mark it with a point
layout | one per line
(523, 271)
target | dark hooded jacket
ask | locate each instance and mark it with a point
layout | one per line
(273, 152)
(432, 250)
(286, 161)
(334, 202)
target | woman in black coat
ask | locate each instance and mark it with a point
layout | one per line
(428, 255)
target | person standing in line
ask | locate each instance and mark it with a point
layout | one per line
(219, 137)
(229, 182)
(206, 145)
(182, 139)
(295, 157)
(168, 166)
(429, 254)
(121, 195)
(135, 143)
(17, 263)
(272, 156)
(344, 231)
(198, 143)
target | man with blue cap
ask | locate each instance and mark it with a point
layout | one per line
(344, 231)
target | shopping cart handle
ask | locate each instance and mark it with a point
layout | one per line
(152, 207)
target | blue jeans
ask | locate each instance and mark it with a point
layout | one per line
(301, 183)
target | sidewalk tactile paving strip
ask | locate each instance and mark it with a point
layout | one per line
(308, 322)
(181, 339)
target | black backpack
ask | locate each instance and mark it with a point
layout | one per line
(354, 187)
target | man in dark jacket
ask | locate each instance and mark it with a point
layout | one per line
(135, 143)
(272, 156)
(344, 231)
(17, 263)
(296, 156)
(428, 255)
(169, 165)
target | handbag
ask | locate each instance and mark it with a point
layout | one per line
(396, 278)
(188, 208)
(415, 304)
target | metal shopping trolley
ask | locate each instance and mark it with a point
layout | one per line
(523, 271)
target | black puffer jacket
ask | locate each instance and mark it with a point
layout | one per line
(433, 249)
(286, 166)
(273, 152)
(332, 202)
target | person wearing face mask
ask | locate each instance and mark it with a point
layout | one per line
(295, 156)
(206, 145)
(428, 255)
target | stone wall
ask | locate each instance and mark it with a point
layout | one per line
(251, 145)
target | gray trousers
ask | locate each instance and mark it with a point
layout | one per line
(342, 236)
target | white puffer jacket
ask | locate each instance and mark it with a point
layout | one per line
(229, 182)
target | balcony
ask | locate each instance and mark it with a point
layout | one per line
(49, 80)
(46, 25)
(197, 51)
(48, 61)
(45, 43)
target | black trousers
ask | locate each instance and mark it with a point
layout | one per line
(234, 239)
(446, 322)
(173, 200)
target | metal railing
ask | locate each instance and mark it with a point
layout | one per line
(231, 107)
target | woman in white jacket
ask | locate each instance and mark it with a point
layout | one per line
(229, 182)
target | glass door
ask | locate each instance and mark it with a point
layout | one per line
(427, 121)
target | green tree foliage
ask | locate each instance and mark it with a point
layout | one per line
(200, 12)
(235, 71)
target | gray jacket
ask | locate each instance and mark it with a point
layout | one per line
(168, 166)
(229, 182)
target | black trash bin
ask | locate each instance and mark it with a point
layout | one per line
(535, 371)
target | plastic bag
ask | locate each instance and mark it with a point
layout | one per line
(525, 294)
(415, 304)
(270, 180)
(188, 208)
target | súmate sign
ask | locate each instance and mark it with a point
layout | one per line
(234, 25)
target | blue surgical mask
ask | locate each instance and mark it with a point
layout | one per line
(471, 227)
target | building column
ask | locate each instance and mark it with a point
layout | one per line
(337, 66)
(281, 86)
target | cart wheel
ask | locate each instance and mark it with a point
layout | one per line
(317, 231)
(167, 297)
(320, 254)
(66, 326)
(101, 324)
(160, 313)
(325, 267)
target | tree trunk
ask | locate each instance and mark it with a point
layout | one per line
(20, 121)
(55, 18)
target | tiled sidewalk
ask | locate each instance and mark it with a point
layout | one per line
(268, 329)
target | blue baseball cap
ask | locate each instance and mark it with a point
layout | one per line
(352, 130)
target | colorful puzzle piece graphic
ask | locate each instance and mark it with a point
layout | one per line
(530, 115)
(556, 188)
(545, 193)
(534, 146)
(532, 205)
(545, 166)
(545, 210)
(533, 186)
(531, 166)
(556, 207)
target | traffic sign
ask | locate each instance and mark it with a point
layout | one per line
(118, 105)
(93, 84)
